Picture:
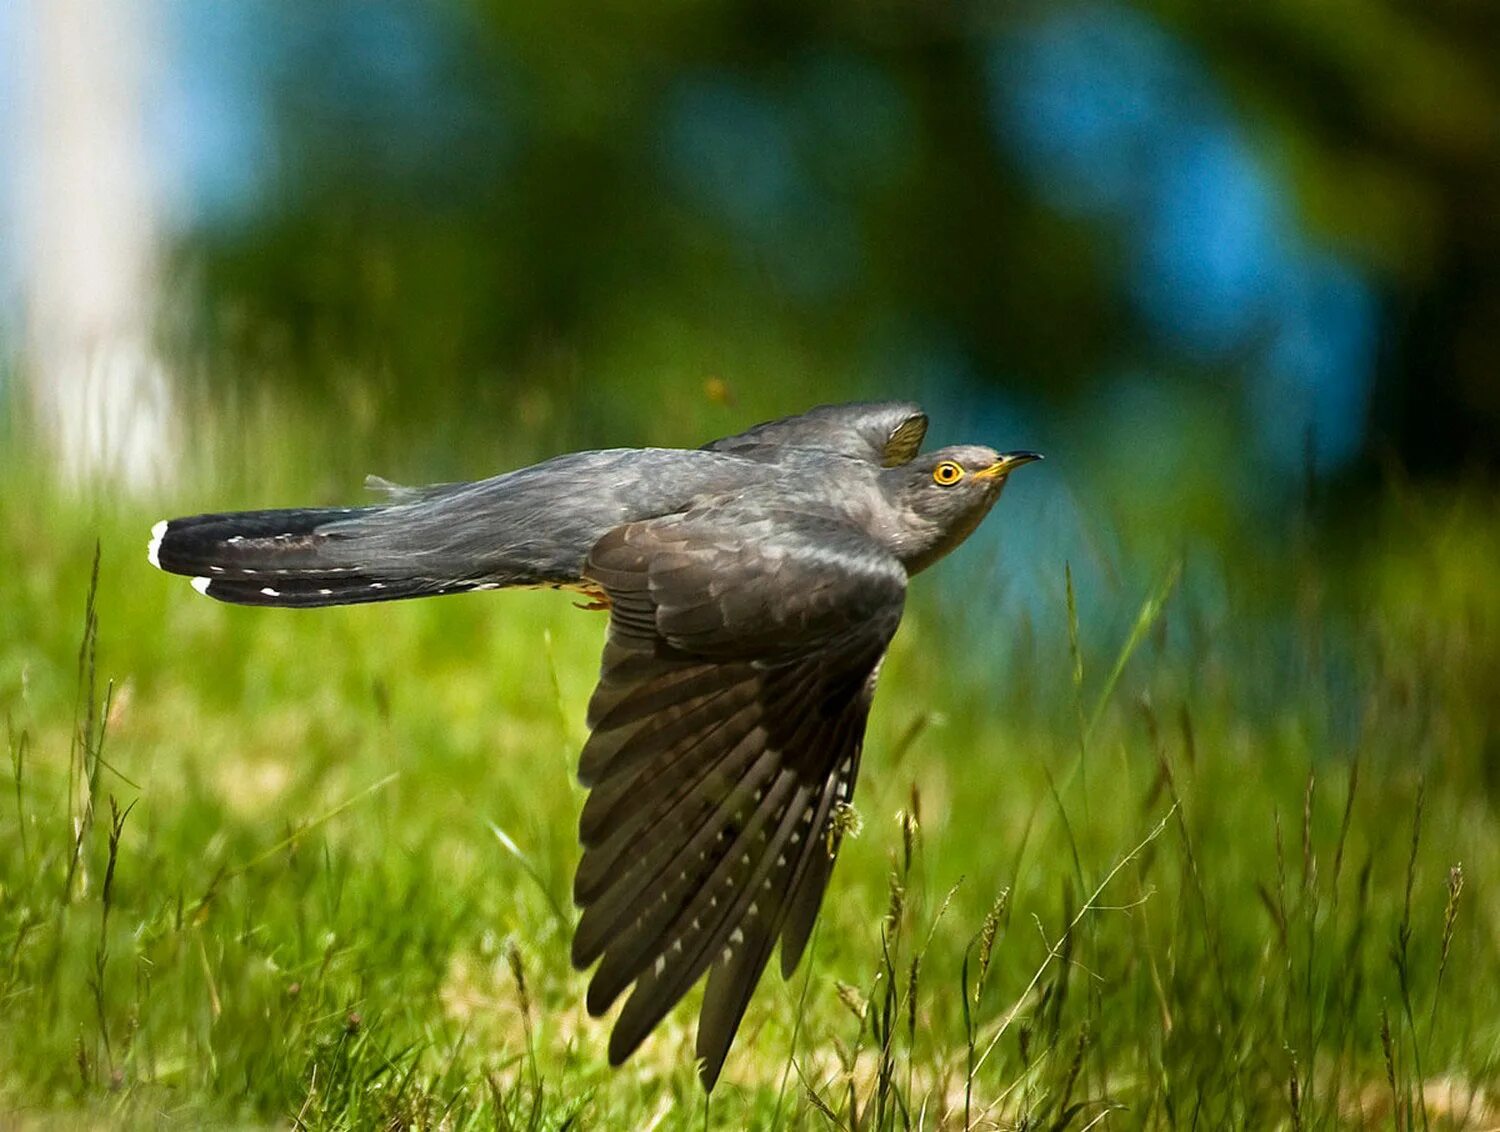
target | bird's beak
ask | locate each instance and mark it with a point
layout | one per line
(1007, 463)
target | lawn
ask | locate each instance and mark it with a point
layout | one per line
(1206, 865)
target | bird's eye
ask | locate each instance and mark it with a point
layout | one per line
(947, 473)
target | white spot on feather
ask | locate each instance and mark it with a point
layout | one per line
(201, 585)
(153, 548)
(269, 592)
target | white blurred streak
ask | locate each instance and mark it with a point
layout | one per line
(90, 240)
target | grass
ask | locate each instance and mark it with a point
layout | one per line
(263, 868)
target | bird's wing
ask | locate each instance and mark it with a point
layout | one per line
(726, 728)
(883, 432)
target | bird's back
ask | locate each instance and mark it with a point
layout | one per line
(530, 527)
(535, 525)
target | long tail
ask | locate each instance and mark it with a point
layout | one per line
(300, 558)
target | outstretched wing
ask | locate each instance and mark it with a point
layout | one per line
(727, 726)
(884, 432)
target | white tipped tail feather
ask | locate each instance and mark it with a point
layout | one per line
(298, 558)
(153, 548)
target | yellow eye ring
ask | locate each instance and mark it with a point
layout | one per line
(947, 474)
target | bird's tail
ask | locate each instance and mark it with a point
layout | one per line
(300, 558)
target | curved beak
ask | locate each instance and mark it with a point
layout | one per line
(1008, 462)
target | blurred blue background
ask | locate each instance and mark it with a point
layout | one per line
(1229, 266)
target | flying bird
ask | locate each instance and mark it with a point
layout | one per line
(753, 586)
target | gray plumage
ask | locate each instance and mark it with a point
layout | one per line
(753, 587)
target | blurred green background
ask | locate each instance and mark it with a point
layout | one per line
(1234, 268)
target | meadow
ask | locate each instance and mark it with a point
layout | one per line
(270, 869)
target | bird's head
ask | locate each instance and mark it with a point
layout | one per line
(939, 498)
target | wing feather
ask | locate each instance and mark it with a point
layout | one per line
(806, 896)
(722, 913)
(726, 725)
(710, 898)
(629, 754)
(615, 807)
(634, 910)
(790, 915)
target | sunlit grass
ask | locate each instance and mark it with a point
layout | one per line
(270, 867)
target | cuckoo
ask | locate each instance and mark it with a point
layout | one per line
(753, 586)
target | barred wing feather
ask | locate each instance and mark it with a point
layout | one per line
(726, 727)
